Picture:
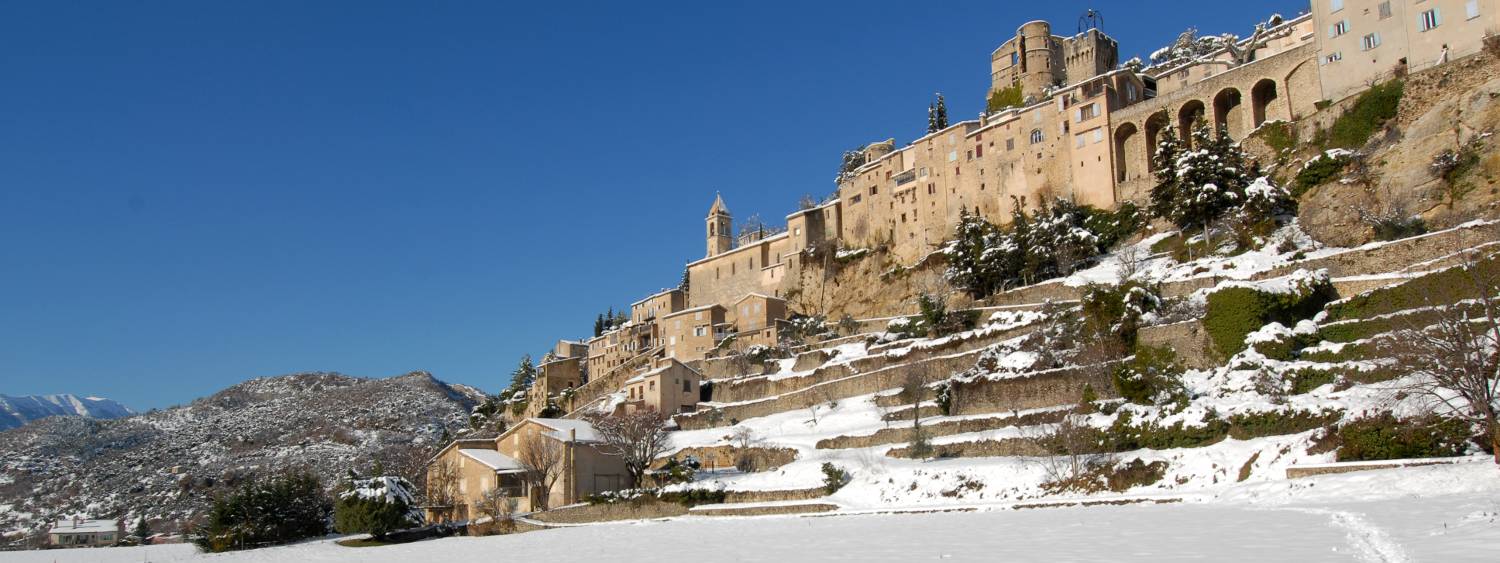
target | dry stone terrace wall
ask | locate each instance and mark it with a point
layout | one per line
(852, 386)
(753, 388)
(902, 434)
(585, 513)
(1187, 339)
(1051, 388)
(715, 457)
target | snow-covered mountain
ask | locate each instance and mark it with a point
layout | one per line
(167, 464)
(16, 411)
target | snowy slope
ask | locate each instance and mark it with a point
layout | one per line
(16, 411)
(1439, 513)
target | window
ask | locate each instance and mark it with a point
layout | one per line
(952, 156)
(1015, 58)
(1010, 144)
(1333, 57)
(1099, 135)
(1088, 112)
(1471, 9)
(872, 190)
(1430, 19)
(1078, 140)
(1339, 28)
(700, 331)
(1335, 5)
(1370, 41)
(1036, 136)
(855, 200)
(687, 386)
(1385, 10)
(979, 151)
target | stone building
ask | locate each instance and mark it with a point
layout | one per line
(1360, 40)
(669, 387)
(460, 474)
(1081, 126)
(79, 532)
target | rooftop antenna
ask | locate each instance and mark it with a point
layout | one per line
(1091, 19)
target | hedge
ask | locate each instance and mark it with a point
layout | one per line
(1235, 312)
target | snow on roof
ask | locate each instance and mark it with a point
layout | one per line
(780, 235)
(693, 310)
(493, 459)
(655, 295)
(760, 295)
(584, 431)
(85, 526)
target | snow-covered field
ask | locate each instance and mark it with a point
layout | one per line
(1437, 513)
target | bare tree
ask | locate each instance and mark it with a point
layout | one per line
(442, 483)
(542, 458)
(1131, 260)
(636, 438)
(500, 508)
(1072, 449)
(1454, 350)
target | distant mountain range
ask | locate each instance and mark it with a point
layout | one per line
(17, 411)
(168, 464)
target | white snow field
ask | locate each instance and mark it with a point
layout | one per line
(1434, 513)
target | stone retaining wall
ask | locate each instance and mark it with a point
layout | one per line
(1188, 339)
(716, 457)
(901, 434)
(1038, 390)
(774, 496)
(809, 508)
(982, 448)
(838, 389)
(637, 510)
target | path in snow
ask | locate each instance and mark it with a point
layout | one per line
(1369, 541)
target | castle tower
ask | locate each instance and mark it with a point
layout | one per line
(720, 228)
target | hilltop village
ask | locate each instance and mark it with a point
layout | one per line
(1247, 265)
(1066, 120)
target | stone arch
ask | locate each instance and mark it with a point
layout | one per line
(1155, 124)
(1187, 115)
(1262, 94)
(1126, 136)
(1227, 112)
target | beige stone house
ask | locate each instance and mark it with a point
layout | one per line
(669, 387)
(691, 334)
(461, 473)
(85, 533)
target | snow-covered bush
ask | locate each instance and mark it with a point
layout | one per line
(1236, 311)
(377, 506)
(1152, 377)
(1319, 170)
(1384, 436)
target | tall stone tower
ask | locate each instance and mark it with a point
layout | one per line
(720, 228)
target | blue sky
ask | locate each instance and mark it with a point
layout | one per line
(197, 193)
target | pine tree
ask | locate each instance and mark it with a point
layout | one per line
(931, 118)
(970, 263)
(142, 531)
(685, 284)
(1202, 183)
(599, 324)
(523, 376)
(942, 113)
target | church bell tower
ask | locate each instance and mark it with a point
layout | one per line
(720, 228)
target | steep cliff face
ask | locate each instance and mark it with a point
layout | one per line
(1451, 109)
